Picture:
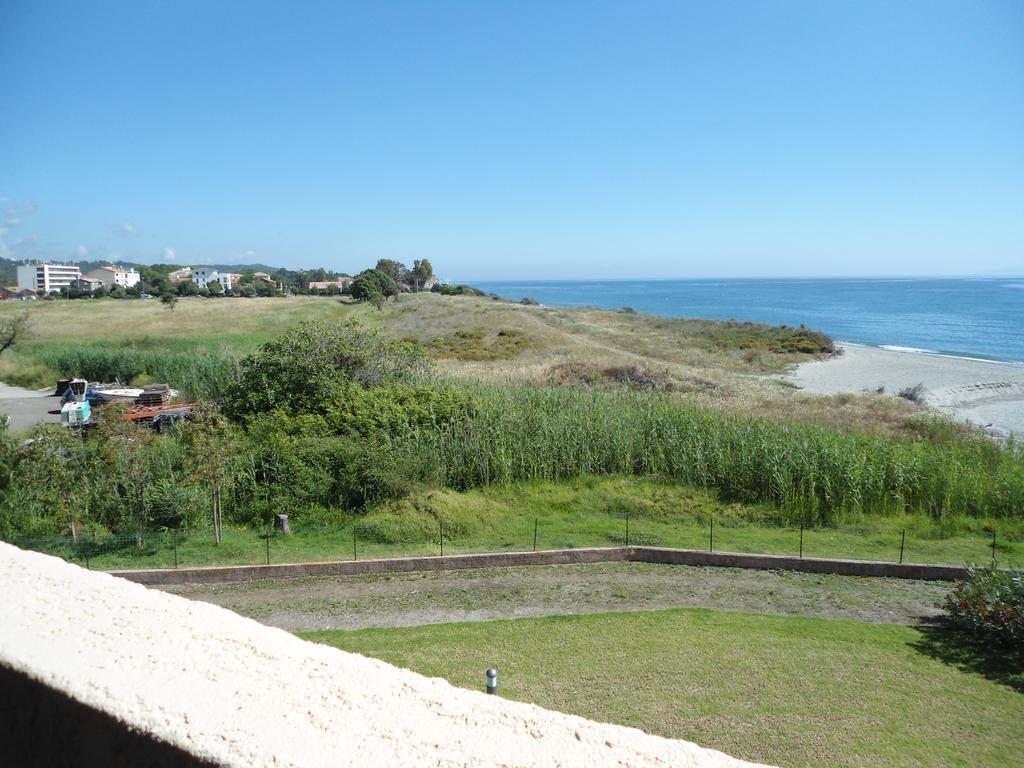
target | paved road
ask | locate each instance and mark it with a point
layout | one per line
(27, 407)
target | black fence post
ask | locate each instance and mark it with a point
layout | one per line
(535, 534)
(801, 541)
(627, 530)
(440, 526)
(993, 548)
(176, 549)
(903, 541)
(355, 555)
(711, 541)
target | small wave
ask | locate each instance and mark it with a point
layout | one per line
(916, 350)
(934, 353)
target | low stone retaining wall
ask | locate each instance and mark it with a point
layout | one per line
(922, 572)
(218, 574)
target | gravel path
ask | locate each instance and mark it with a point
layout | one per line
(407, 599)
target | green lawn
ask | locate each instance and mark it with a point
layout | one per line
(585, 512)
(787, 691)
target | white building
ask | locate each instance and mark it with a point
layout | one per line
(180, 275)
(111, 276)
(47, 277)
(203, 276)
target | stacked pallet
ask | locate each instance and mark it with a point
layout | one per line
(154, 394)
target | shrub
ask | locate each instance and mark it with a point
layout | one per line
(308, 369)
(457, 290)
(914, 394)
(989, 607)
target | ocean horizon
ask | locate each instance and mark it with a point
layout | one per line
(971, 317)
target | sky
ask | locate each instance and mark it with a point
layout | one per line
(517, 140)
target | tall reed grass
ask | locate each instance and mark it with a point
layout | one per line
(812, 473)
(200, 373)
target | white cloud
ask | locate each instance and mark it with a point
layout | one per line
(250, 254)
(129, 229)
(168, 254)
(13, 215)
(81, 251)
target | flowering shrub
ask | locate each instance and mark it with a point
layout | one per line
(989, 605)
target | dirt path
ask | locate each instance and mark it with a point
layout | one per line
(395, 600)
(27, 407)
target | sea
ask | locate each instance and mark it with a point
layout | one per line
(964, 317)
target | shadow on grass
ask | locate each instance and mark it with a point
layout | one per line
(946, 644)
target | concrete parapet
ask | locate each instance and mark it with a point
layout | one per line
(96, 670)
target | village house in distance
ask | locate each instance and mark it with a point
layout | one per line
(110, 276)
(341, 285)
(51, 278)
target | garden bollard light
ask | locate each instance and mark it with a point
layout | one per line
(492, 680)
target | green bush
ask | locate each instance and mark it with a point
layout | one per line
(309, 368)
(989, 607)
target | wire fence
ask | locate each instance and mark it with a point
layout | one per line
(175, 549)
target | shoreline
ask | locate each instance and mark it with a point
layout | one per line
(985, 393)
(929, 353)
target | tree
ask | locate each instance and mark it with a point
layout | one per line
(215, 288)
(374, 286)
(169, 300)
(422, 271)
(210, 448)
(13, 329)
(394, 269)
(125, 451)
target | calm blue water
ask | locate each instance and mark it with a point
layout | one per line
(971, 317)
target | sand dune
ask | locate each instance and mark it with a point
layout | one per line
(985, 393)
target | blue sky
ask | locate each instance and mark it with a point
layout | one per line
(518, 139)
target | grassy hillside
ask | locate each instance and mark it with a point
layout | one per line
(787, 691)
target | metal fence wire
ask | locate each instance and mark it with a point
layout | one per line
(174, 549)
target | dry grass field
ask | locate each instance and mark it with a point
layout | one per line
(728, 367)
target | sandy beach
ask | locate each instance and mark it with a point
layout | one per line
(985, 393)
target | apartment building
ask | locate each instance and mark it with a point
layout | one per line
(42, 276)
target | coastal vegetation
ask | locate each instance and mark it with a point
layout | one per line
(336, 420)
